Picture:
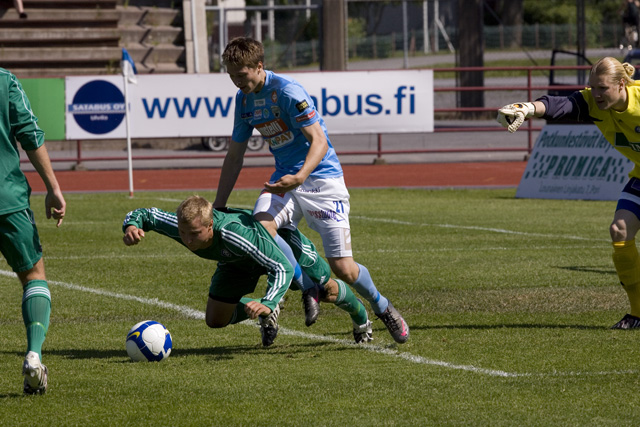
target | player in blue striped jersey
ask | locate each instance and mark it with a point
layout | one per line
(612, 103)
(244, 250)
(308, 181)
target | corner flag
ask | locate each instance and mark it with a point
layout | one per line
(129, 76)
(128, 67)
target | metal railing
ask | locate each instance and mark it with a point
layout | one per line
(381, 151)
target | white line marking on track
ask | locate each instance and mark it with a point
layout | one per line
(199, 315)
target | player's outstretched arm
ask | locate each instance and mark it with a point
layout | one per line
(512, 116)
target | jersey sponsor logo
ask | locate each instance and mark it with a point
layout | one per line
(301, 106)
(637, 129)
(322, 214)
(248, 115)
(280, 140)
(265, 113)
(306, 117)
(274, 97)
(314, 190)
(622, 141)
(272, 128)
(257, 114)
(276, 111)
(260, 102)
(225, 253)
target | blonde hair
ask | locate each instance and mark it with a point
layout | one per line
(193, 208)
(243, 51)
(617, 71)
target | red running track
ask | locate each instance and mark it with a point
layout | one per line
(425, 175)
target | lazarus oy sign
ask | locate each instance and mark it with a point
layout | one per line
(195, 105)
(574, 162)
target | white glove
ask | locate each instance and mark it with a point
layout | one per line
(513, 115)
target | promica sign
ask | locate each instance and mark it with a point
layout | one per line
(574, 162)
(194, 105)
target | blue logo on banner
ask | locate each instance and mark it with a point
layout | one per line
(98, 107)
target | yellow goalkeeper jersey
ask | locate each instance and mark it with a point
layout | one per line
(620, 128)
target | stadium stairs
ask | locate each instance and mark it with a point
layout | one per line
(83, 37)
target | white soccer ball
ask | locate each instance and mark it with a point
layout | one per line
(149, 341)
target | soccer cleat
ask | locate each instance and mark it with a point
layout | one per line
(627, 322)
(269, 327)
(310, 299)
(395, 324)
(35, 374)
(362, 333)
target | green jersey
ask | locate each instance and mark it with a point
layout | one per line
(239, 242)
(17, 122)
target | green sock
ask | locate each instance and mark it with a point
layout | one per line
(239, 314)
(36, 309)
(349, 303)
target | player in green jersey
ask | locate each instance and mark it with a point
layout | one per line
(612, 103)
(245, 251)
(19, 240)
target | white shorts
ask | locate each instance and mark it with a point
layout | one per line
(323, 202)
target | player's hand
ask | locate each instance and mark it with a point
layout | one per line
(132, 235)
(285, 184)
(255, 309)
(55, 206)
(513, 115)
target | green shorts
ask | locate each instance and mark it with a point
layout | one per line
(19, 240)
(232, 281)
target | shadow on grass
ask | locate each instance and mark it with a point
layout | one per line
(509, 326)
(608, 271)
(221, 352)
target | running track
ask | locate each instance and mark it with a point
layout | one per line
(421, 175)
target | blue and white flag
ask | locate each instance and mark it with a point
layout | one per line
(128, 67)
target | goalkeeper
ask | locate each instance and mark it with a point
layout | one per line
(612, 102)
(245, 251)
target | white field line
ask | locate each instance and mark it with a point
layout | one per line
(471, 227)
(199, 315)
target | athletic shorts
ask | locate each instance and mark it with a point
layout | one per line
(630, 197)
(324, 204)
(19, 240)
(232, 281)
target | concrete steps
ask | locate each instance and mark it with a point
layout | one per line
(79, 37)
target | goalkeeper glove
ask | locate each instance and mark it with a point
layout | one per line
(513, 115)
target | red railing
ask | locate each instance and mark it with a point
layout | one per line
(380, 151)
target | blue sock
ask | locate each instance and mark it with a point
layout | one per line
(365, 287)
(298, 278)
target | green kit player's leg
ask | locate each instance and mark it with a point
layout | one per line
(319, 271)
(36, 310)
(307, 256)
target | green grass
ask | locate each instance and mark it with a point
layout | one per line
(509, 303)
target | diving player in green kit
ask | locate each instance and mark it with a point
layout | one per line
(245, 251)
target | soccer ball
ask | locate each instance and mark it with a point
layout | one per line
(148, 341)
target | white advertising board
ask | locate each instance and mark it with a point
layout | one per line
(194, 105)
(574, 162)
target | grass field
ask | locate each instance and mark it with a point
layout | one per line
(509, 303)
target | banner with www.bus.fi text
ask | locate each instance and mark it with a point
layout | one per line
(199, 105)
